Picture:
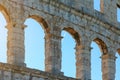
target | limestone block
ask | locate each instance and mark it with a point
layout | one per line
(17, 76)
(7, 75)
(25, 77)
(1, 76)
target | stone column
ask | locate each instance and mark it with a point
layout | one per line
(15, 45)
(108, 67)
(53, 53)
(83, 63)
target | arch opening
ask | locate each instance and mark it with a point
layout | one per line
(69, 42)
(42, 22)
(102, 46)
(34, 43)
(3, 39)
(99, 49)
(118, 51)
(118, 13)
(117, 65)
(99, 5)
(74, 34)
(95, 62)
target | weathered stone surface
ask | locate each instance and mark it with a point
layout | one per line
(12, 72)
(77, 17)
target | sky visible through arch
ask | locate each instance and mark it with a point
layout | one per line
(35, 49)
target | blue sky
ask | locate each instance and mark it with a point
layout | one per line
(97, 5)
(118, 14)
(34, 49)
(3, 40)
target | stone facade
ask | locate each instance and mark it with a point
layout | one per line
(77, 17)
(12, 72)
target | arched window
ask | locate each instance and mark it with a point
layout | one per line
(99, 49)
(68, 55)
(34, 44)
(3, 39)
(99, 5)
(96, 73)
(118, 13)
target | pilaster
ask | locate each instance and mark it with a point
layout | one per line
(83, 64)
(53, 53)
(15, 44)
(108, 67)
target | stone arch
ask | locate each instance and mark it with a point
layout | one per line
(101, 43)
(118, 50)
(96, 54)
(68, 38)
(74, 30)
(102, 50)
(42, 22)
(74, 34)
(5, 13)
(107, 54)
(45, 28)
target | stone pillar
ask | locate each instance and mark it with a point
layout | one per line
(108, 67)
(83, 63)
(15, 45)
(53, 53)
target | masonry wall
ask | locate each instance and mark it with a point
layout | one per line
(77, 17)
(12, 72)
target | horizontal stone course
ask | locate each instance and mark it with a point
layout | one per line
(23, 73)
(77, 17)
